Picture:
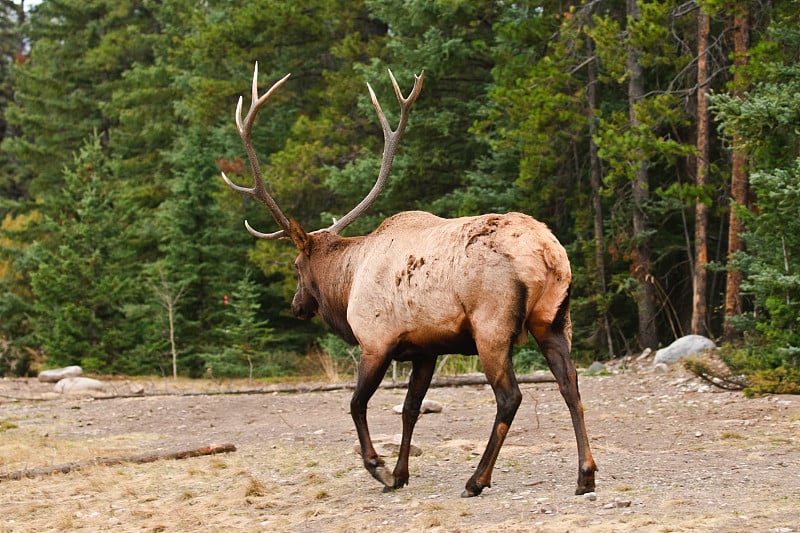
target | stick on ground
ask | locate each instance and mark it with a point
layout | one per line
(148, 457)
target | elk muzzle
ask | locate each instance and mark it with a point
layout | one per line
(304, 306)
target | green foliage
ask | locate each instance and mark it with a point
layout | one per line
(504, 123)
(343, 357)
(766, 121)
(781, 380)
(528, 358)
(248, 336)
(772, 261)
(763, 369)
(79, 288)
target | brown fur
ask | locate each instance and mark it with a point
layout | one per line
(420, 286)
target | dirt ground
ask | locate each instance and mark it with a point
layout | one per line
(674, 455)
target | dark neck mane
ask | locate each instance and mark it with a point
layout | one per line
(334, 260)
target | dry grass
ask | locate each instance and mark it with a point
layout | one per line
(295, 469)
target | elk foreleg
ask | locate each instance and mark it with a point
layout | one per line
(421, 375)
(555, 347)
(371, 370)
(500, 374)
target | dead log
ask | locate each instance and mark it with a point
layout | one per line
(463, 380)
(480, 379)
(148, 457)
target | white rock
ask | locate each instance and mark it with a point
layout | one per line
(596, 368)
(389, 445)
(79, 385)
(57, 374)
(428, 406)
(660, 368)
(684, 347)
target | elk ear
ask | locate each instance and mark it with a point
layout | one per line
(299, 237)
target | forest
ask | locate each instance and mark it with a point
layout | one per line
(658, 140)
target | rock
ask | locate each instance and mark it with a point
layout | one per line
(660, 368)
(684, 347)
(137, 388)
(596, 368)
(79, 385)
(645, 354)
(388, 445)
(428, 406)
(618, 504)
(57, 374)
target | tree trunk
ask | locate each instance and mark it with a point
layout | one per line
(641, 191)
(699, 303)
(739, 185)
(597, 208)
(148, 457)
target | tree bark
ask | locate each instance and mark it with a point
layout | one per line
(646, 296)
(148, 457)
(597, 208)
(699, 302)
(739, 184)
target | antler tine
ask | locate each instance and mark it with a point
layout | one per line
(258, 190)
(391, 140)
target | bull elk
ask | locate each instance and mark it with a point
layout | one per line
(420, 286)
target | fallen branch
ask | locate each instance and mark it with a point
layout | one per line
(148, 457)
(452, 381)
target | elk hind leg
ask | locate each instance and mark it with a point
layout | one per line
(371, 370)
(421, 375)
(496, 361)
(555, 341)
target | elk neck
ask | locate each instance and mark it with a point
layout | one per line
(333, 262)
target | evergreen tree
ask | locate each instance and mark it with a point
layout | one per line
(79, 50)
(451, 41)
(766, 121)
(201, 247)
(82, 284)
(11, 52)
(247, 335)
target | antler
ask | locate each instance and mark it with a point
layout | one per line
(258, 190)
(391, 140)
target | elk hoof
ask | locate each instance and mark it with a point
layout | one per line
(398, 484)
(472, 490)
(585, 480)
(382, 474)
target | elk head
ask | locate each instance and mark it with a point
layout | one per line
(306, 299)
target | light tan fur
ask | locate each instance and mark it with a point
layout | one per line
(420, 286)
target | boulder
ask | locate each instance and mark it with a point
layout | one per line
(596, 368)
(428, 406)
(389, 445)
(79, 385)
(57, 374)
(683, 347)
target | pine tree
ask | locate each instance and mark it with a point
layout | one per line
(80, 48)
(82, 282)
(12, 16)
(247, 335)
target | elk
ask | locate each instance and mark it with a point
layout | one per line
(420, 286)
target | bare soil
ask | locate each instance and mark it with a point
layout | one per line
(674, 455)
